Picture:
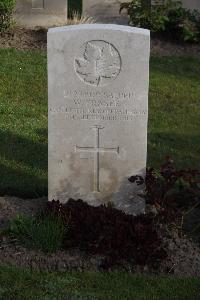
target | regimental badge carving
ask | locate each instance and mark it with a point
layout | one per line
(99, 63)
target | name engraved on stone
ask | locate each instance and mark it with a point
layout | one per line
(97, 150)
(99, 63)
(98, 95)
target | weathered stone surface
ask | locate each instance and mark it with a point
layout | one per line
(191, 4)
(98, 111)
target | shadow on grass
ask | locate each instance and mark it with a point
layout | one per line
(42, 132)
(23, 165)
(31, 153)
(177, 67)
(184, 149)
(21, 184)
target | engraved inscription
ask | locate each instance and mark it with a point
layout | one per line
(98, 95)
(99, 63)
(97, 150)
(100, 106)
(98, 114)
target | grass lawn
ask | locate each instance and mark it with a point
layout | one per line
(174, 118)
(19, 284)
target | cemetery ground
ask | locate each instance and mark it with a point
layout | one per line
(174, 119)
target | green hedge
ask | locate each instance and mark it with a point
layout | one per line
(6, 11)
(171, 18)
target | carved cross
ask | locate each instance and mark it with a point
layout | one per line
(97, 150)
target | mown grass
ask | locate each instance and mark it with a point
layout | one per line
(23, 123)
(21, 284)
(174, 118)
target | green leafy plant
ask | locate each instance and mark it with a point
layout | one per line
(44, 233)
(6, 11)
(170, 18)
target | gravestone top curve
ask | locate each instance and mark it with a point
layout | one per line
(129, 29)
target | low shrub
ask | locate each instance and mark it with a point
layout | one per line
(45, 234)
(170, 191)
(170, 18)
(109, 232)
(6, 11)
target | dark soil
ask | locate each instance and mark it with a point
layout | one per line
(24, 39)
(183, 254)
(29, 39)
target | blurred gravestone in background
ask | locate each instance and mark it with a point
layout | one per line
(40, 12)
(105, 11)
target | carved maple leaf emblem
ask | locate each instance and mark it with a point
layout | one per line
(100, 60)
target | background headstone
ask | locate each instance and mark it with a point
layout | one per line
(190, 4)
(98, 110)
(32, 13)
(105, 11)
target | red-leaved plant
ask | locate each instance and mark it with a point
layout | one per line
(170, 191)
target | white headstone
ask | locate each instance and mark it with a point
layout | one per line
(98, 111)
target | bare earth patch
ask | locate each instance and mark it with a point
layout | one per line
(10, 207)
(36, 39)
(24, 39)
